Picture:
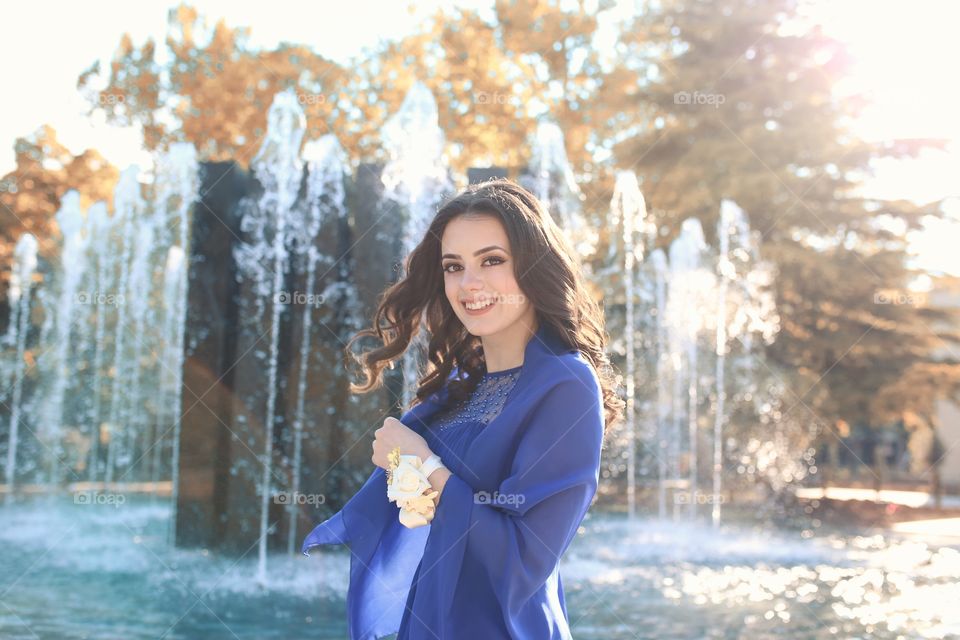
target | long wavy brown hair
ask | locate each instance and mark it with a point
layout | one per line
(546, 269)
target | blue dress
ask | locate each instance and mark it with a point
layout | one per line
(524, 453)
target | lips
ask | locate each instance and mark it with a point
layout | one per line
(478, 304)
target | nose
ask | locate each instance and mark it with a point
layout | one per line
(470, 280)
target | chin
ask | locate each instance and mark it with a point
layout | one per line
(475, 328)
(478, 332)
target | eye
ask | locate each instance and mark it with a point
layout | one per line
(498, 260)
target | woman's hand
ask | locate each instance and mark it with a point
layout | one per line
(394, 434)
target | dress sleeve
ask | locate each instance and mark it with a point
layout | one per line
(383, 558)
(384, 554)
(521, 531)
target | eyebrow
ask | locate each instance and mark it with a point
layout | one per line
(477, 252)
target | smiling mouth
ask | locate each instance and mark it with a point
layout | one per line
(479, 305)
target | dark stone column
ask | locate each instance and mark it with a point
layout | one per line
(226, 371)
(210, 351)
(477, 174)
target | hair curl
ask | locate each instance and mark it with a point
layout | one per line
(547, 271)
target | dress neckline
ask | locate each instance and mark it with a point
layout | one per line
(504, 372)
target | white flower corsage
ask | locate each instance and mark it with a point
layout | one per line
(408, 486)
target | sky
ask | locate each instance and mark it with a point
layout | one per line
(50, 76)
(903, 51)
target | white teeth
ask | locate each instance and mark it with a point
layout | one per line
(478, 305)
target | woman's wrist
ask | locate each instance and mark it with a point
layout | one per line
(438, 480)
(423, 452)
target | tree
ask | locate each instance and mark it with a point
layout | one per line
(30, 194)
(490, 81)
(215, 94)
(743, 107)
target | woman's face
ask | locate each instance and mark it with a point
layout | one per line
(478, 268)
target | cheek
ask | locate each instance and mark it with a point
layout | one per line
(450, 289)
(506, 282)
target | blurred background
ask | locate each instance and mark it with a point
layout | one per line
(201, 203)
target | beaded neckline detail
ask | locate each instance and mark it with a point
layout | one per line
(484, 404)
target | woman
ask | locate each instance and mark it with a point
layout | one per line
(515, 407)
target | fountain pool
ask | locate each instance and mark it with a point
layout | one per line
(103, 570)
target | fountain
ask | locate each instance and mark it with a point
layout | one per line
(629, 207)
(665, 343)
(326, 164)
(102, 252)
(279, 169)
(689, 285)
(663, 441)
(177, 184)
(416, 179)
(70, 220)
(550, 177)
(128, 205)
(19, 295)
